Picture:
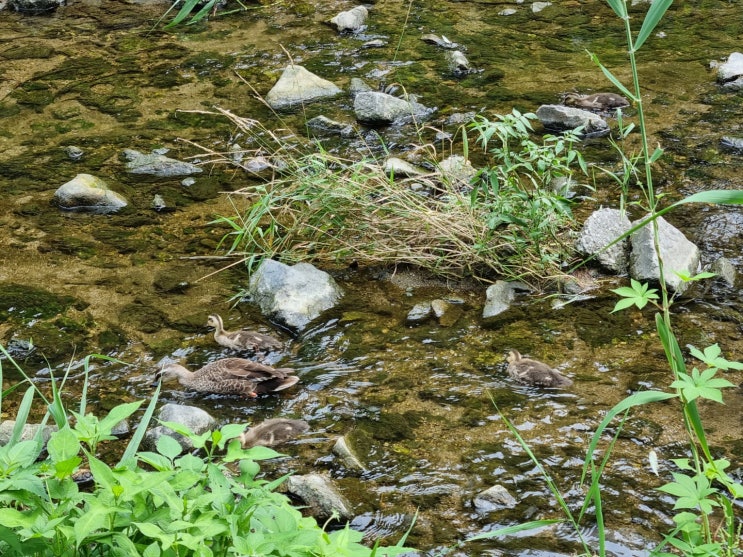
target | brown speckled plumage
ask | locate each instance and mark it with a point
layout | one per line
(232, 376)
(272, 432)
(533, 372)
(243, 339)
(596, 101)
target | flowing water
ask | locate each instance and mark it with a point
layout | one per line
(419, 402)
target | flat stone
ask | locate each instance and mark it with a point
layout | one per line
(296, 86)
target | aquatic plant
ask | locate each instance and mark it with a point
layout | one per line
(701, 488)
(159, 503)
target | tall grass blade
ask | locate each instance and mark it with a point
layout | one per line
(22, 416)
(719, 197)
(655, 14)
(133, 446)
(637, 399)
(619, 7)
(183, 13)
(532, 525)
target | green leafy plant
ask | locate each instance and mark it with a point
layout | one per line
(151, 503)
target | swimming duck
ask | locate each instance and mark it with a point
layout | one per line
(534, 372)
(272, 432)
(596, 101)
(242, 339)
(231, 376)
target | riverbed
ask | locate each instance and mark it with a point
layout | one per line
(420, 401)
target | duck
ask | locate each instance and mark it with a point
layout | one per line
(243, 339)
(533, 372)
(231, 376)
(596, 101)
(270, 433)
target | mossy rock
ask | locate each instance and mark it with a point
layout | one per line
(30, 302)
(389, 426)
(143, 316)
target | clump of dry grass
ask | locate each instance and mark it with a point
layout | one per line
(322, 208)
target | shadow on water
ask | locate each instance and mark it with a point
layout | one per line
(416, 401)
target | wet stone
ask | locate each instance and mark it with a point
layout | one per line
(28, 432)
(321, 495)
(494, 499)
(420, 312)
(157, 164)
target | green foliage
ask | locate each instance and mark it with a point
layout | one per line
(152, 504)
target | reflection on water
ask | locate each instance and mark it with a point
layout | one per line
(418, 403)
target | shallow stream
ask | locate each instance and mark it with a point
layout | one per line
(418, 401)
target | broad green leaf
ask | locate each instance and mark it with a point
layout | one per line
(655, 14)
(63, 445)
(119, 413)
(169, 447)
(12, 518)
(94, 517)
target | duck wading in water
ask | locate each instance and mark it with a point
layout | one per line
(533, 372)
(243, 339)
(231, 376)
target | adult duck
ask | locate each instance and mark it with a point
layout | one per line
(231, 376)
(243, 339)
(534, 372)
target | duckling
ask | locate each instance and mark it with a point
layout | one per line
(231, 376)
(242, 339)
(272, 432)
(596, 101)
(534, 372)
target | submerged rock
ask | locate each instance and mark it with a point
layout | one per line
(88, 193)
(293, 295)
(441, 41)
(734, 144)
(353, 20)
(376, 108)
(420, 312)
(157, 164)
(347, 455)
(458, 63)
(678, 253)
(35, 7)
(321, 496)
(493, 499)
(297, 86)
(326, 126)
(600, 229)
(561, 118)
(731, 69)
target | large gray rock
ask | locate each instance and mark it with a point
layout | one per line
(88, 193)
(561, 118)
(157, 164)
(352, 20)
(195, 419)
(600, 229)
(296, 86)
(678, 253)
(376, 108)
(321, 496)
(293, 295)
(28, 432)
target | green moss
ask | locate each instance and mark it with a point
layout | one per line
(29, 302)
(143, 316)
(34, 94)
(22, 52)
